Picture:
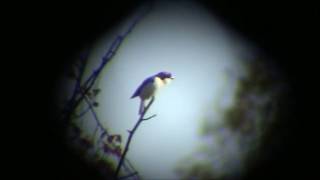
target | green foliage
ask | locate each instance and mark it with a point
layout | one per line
(197, 170)
(249, 101)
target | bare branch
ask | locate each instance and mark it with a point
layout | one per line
(131, 133)
(84, 85)
(77, 98)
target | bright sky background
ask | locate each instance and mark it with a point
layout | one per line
(204, 56)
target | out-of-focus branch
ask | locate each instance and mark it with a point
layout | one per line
(77, 97)
(95, 117)
(83, 88)
(131, 133)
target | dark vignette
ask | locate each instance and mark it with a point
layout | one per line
(63, 30)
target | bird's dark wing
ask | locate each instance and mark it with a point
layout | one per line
(143, 84)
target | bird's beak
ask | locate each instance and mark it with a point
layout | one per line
(172, 78)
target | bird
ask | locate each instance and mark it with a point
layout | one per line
(150, 86)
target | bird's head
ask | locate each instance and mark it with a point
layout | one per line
(166, 77)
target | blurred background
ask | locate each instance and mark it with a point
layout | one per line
(228, 114)
(212, 119)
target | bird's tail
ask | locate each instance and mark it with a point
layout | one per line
(141, 109)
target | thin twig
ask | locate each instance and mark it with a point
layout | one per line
(144, 119)
(131, 132)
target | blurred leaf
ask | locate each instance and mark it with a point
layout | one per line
(106, 148)
(116, 138)
(113, 149)
(110, 139)
(96, 91)
(95, 104)
(117, 151)
(89, 94)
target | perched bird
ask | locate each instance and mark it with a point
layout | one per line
(150, 86)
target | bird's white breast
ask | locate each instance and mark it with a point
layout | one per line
(158, 82)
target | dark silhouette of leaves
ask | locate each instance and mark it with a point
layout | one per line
(95, 104)
(96, 91)
(106, 148)
(83, 92)
(247, 121)
(117, 151)
(116, 138)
